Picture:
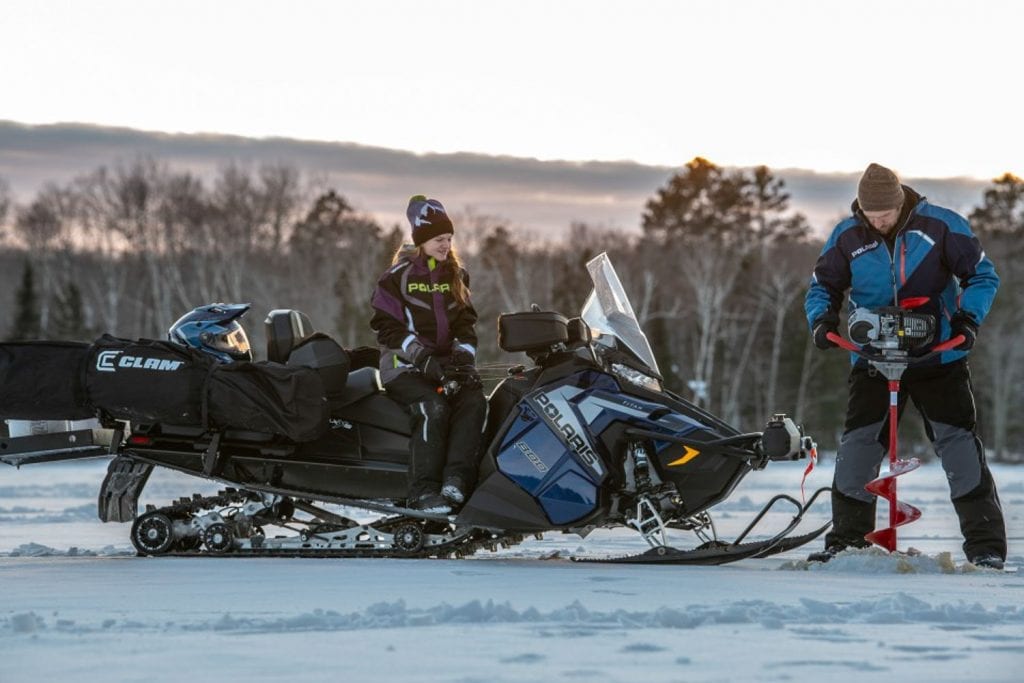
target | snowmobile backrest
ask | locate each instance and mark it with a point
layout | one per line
(323, 354)
(532, 331)
(286, 328)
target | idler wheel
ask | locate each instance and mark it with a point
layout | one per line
(218, 538)
(409, 538)
(153, 533)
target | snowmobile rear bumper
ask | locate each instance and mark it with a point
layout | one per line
(70, 445)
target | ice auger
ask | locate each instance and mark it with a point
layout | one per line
(886, 337)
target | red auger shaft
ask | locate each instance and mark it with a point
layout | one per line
(894, 398)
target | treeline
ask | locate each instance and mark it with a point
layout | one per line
(717, 275)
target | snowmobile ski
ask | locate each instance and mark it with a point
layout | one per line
(716, 552)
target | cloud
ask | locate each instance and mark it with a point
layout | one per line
(544, 197)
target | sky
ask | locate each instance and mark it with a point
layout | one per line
(926, 87)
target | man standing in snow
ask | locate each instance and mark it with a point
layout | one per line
(896, 246)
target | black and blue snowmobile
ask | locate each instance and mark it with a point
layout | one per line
(584, 437)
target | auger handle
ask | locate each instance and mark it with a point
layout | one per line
(948, 344)
(842, 343)
(859, 350)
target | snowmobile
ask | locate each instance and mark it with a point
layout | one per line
(584, 437)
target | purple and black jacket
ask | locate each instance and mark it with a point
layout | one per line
(414, 312)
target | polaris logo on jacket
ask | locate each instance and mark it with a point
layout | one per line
(442, 287)
(108, 361)
(867, 247)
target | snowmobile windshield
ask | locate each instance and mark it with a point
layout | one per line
(610, 316)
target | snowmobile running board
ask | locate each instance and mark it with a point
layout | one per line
(717, 552)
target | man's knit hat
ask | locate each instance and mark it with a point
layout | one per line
(427, 218)
(879, 190)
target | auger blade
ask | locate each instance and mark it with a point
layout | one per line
(884, 537)
(906, 513)
(883, 487)
(899, 513)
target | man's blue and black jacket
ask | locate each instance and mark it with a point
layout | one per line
(934, 255)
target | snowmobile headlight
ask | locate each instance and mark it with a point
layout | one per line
(636, 377)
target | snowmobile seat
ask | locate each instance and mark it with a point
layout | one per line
(361, 383)
(378, 410)
(285, 328)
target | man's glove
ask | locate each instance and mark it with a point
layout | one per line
(826, 322)
(963, 323)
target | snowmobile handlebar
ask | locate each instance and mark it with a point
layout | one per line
(844, 343)
(458, 377)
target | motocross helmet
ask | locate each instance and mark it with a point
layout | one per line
(214, 329)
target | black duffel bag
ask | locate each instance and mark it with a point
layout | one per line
(158, 382)
(42, 380)
(268, 397)
(147, 381)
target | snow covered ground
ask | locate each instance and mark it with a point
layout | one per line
(75, 604)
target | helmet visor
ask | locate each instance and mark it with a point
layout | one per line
(234, 342)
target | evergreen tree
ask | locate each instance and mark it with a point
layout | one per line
(68, 314)
(331, 227)
(701, 202)
(27, 321)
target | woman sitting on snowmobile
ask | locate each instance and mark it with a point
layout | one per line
(425, 326)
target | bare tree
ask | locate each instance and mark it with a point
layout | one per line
(107, 287)
(711, 274)
(279, 196)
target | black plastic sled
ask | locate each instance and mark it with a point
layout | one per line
(586, 437)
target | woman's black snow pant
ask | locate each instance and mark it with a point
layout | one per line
(446, 432)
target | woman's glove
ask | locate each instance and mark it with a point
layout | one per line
(461, 357)
(428, 364)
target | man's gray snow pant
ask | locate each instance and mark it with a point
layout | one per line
(943, 396)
